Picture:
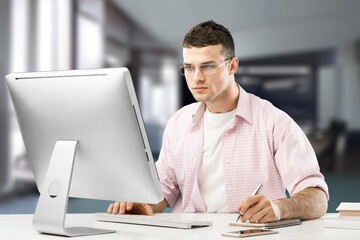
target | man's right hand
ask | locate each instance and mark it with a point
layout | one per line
(119, 207)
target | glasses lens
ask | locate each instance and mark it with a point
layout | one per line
(182, 70)
(209, 69)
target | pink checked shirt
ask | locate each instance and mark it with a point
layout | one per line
(263, 145)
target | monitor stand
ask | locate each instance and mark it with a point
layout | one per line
(50, 213)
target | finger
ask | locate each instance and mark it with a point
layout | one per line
(122, 208)
(141, 208)
(129, 206)
(268, 215)
(265, 218)
(258, 216)
(272, 213)
(116, 207)
(247, 215)
(148, 209)
(247, 203)
(239, 207)
(251, 206)
(110, 208)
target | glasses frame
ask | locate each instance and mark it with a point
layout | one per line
(203, 70)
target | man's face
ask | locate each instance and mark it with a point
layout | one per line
(209, 88)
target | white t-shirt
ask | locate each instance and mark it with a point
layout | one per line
(211, 181)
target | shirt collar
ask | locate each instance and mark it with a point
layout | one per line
(198, 113)
(243, 108)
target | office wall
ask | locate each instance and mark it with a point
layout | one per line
(349, 87)
(4, 57)
(324, 32)
(327, 103)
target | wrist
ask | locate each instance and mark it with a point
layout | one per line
(277, 211)
(285, 208)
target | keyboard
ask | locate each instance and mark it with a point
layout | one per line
(156, 220)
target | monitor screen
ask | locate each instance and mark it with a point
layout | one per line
(92, 119)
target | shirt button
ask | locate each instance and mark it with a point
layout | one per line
(230, 189)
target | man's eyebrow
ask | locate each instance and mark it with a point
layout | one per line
(208, 62)
(203, 63)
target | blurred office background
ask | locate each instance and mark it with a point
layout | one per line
(303, 56)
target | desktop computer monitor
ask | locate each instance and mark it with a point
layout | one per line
(84, 137)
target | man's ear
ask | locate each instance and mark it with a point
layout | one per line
(234, 64)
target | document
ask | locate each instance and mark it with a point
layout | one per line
(268, 225)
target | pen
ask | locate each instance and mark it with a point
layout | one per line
(257, 190)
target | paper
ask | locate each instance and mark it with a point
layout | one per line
(275, 224)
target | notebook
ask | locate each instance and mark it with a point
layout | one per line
(268, 225)
(162, 220)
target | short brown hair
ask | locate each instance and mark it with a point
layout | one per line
(210, 33)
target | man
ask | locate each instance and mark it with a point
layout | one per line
(217, 151)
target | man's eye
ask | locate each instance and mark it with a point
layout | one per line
(207, 67)
(188, 68)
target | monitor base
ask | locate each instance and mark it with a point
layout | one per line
(50, 213)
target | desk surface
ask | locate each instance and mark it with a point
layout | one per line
(19, 226)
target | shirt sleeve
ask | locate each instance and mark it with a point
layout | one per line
(295, 158)
(166, 171)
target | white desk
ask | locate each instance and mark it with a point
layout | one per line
(20, 227)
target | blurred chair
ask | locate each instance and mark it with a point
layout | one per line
(330, 145)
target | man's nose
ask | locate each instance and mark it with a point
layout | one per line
(198, 75)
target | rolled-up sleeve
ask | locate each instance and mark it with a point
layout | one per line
(295, 158)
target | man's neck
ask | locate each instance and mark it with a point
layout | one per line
(226, 104)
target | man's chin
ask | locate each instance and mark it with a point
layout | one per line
(200, 98)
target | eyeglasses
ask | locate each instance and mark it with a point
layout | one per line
(206, 69)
